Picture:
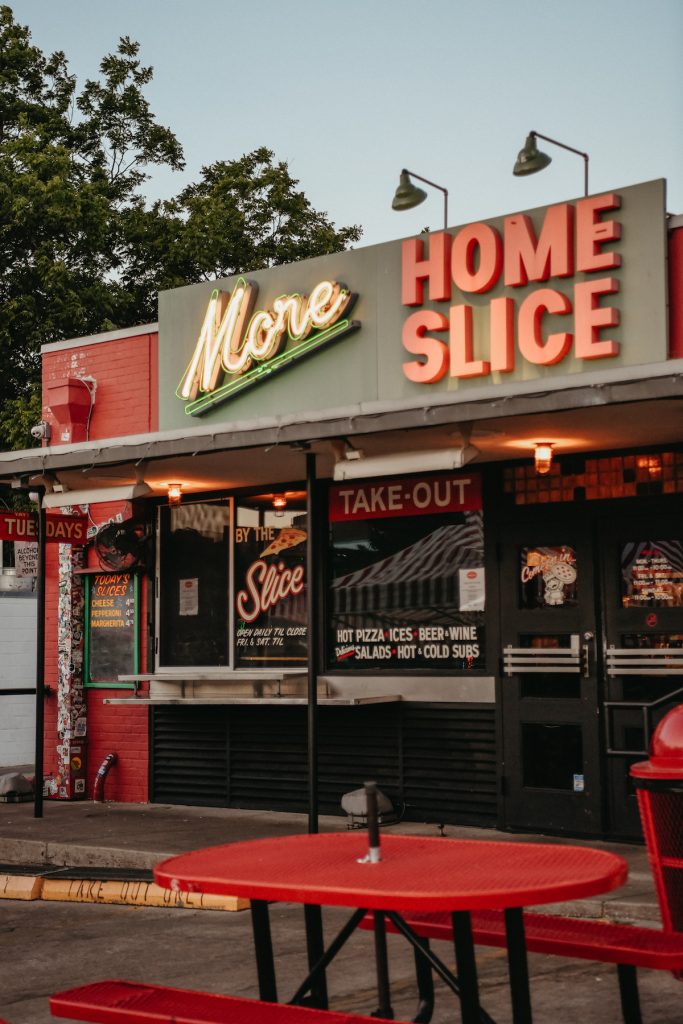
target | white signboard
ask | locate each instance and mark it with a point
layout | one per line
(472, 590)
(25, 558)
(189, 597)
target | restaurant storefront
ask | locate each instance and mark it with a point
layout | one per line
(410, 512)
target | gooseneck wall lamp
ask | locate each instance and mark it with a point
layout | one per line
(409, 195)
(531, 159)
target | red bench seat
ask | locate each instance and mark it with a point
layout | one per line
(130, 1002)
(627, 946)
(563, 936)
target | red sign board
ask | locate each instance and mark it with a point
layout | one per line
(406, 496)
(58, 529)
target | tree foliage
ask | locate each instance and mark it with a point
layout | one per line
(81, 250)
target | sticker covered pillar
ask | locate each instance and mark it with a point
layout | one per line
(69, 782)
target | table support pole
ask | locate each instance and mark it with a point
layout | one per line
(382, 963)
(315, 947)
(328, 956)
(425, 984)
(263, 946)
(466, 967)
(424, 950)
(628, 992)
(517, 966)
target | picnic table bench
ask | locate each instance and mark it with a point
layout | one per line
(132, 1002)
(627, 946)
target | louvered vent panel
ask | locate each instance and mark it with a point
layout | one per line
(268, 758)
(435, 762)
(356, 744)
(449, 764)
(189, 763)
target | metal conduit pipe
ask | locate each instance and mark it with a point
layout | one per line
(102, 772)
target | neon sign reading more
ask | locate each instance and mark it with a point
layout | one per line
(237, 348)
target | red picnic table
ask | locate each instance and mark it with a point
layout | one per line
(415, 873)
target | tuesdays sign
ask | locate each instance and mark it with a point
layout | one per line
(58, 529)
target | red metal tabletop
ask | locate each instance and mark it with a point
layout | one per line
(415, 873)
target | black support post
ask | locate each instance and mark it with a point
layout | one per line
(312, 589)
(40, 662)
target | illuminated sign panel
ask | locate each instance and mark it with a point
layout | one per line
(555, 293)
(540, 327)
(236, 347)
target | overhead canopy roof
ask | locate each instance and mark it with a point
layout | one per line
(637, 407)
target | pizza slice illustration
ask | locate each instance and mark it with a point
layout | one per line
(288, 537)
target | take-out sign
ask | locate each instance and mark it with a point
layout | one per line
(59, 529)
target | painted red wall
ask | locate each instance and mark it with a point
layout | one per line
(126, 402)
(125, 370)
(676, 293)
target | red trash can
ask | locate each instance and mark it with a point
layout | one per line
(659, 786)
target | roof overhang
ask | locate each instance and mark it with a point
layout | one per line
(601, 410)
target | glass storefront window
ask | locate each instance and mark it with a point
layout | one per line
(548, 577)
(549, 684)
(270, 612)
(652, 574)
(650, 641)
(193, 593)
(406, 571)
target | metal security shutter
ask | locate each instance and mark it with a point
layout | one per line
(435, 762)
(267, 758)
(356, 744)
(189, 756)
(449, 764)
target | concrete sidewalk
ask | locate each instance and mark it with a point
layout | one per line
(97, 839)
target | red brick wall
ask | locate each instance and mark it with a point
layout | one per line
(126, 403)
(125, 369)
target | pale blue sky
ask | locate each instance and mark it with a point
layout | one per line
(349, 93)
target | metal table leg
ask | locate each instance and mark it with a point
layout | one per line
(315, 947)
(517, 966)
(425, 952)
(425, 985)
(628, 992)
(382, 964)
(263, 946)
(466, 966)
(327, 957)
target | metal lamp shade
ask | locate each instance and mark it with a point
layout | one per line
(407, 195)
(530, 159)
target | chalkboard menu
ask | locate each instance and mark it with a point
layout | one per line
(112, 623)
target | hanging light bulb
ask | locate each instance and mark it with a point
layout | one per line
(174, 493)
(279, 504)
(543, 457)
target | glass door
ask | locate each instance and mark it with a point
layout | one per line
(643, 647)
(550, 679)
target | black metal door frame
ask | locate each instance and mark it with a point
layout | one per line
(534, 722)
(642, 684)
